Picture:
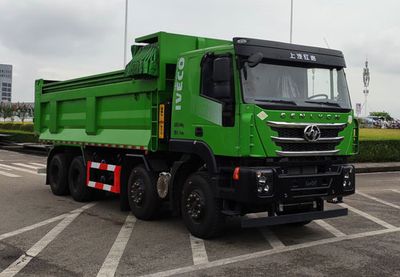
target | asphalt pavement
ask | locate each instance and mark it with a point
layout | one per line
(45, 235)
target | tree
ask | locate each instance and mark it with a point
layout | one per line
(383, 114)
(7, 111)
(22, 110)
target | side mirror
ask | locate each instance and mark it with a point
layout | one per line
(255, 59)
(222, 70)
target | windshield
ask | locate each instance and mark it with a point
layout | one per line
(295, 86)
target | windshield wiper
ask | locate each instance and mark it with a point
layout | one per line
(324, 103)
(277, 101)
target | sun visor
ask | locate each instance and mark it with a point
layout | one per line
(286, 52)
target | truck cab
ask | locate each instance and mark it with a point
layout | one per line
(275, 122)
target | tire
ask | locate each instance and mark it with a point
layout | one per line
(77, 181)
(142, 194)
(204, 221)
(58, 174)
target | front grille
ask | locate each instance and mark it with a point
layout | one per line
(297, 147)
(292, 141)
(299, 132)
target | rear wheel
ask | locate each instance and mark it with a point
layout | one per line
(142, 194)
(201, 211)
(77, 181)
(58, 174)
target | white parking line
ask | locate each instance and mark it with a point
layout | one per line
(22, 261)
(39, 164)
(379, 173)
(111, 262)
(37, 225)
(368, 216)
(334, 231)
(395, 190)
(27, 165)
(272, 239)
(32, 227)
(265, 253)
(198, 251)
(20, 169)
(379, 200)
(9, 174)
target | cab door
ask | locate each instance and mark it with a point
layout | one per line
(207, 109)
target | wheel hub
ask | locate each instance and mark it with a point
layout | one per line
(137, 192)
(194, 205)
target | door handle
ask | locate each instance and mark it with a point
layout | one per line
(198, 131)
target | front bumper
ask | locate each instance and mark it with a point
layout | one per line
(249, 222)
(288, 187)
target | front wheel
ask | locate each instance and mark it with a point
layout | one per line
(201, 211)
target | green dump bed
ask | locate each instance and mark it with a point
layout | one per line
(116, 109)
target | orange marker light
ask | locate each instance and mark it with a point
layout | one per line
(236, 174)
(161, 118)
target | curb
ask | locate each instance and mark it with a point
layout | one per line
(24, 150)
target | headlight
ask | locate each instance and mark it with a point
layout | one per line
(264, 183)
(348, 178)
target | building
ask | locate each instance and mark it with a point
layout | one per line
(5, 82)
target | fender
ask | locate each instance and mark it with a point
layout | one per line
(196, 147)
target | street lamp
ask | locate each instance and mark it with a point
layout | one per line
(126, 31)
(366, 79)
(291, 20)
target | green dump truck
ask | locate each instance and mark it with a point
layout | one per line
(207, 128)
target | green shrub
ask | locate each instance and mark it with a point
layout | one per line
(378, 151)
(24, 138)
(27, 127)
(19, 132)
(7, 126)
(379, 134)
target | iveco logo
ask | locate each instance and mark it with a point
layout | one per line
(312, 133)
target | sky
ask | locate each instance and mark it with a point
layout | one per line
(63, 39)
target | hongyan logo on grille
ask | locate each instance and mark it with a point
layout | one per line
(312, 133)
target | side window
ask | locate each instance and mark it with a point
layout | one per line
(206, 76)
(217, 84)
